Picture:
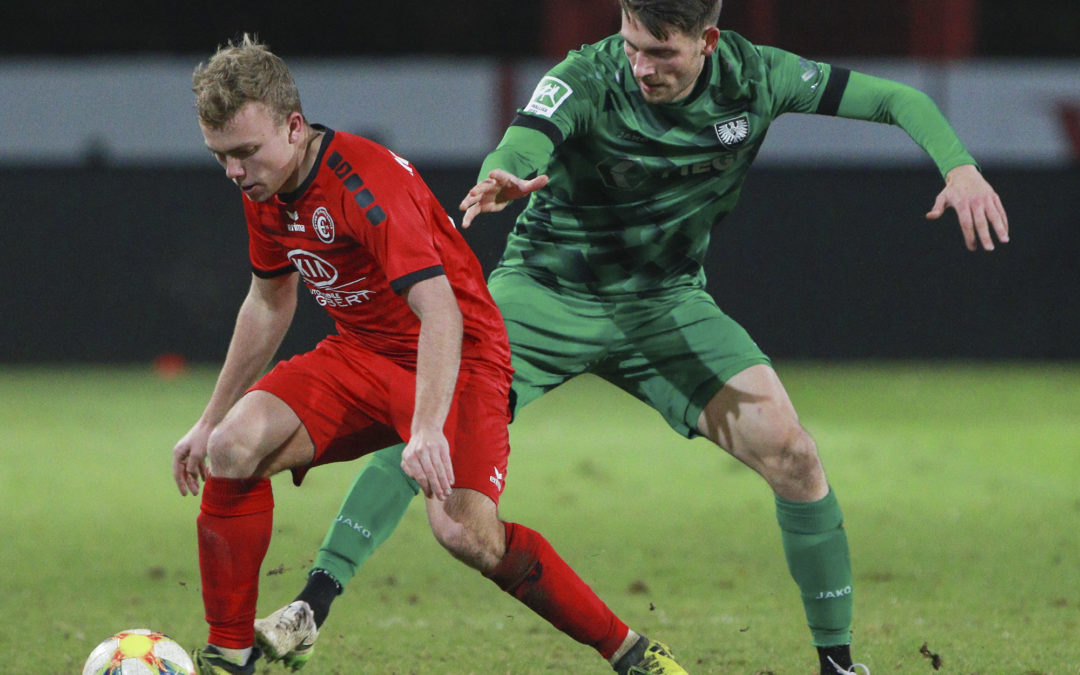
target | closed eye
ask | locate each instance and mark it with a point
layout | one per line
(235, 153)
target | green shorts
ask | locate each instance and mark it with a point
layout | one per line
(672, 351)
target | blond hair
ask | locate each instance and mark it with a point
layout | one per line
(240, 72)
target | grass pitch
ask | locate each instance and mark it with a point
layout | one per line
(959, 484)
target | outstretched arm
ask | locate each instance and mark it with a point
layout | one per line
(522, 152)
(978, 208)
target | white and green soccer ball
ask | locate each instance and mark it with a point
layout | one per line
(139, 652)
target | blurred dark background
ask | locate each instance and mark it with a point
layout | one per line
(824, 258)
(989, 28)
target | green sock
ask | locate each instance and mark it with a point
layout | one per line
(817, 554)
(371, 511)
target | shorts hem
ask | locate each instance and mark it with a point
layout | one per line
(706, 390)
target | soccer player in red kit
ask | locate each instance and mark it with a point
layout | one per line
(420, 355)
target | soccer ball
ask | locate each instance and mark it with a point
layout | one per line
(139, 652)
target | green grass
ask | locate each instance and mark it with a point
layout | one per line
(960, 485)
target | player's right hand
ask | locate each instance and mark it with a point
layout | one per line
(189, 459)
(495, 192)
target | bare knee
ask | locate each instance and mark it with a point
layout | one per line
(460, 540)
(468, 528)
(789, 462)
(230, 455)
(753, 418)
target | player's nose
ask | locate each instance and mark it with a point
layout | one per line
(233, 168)
(642, 66)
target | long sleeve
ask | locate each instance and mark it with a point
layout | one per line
(522, 152)
(879, 100)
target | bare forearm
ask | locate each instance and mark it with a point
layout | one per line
(437, 361)
(258, 334)
(438, 352)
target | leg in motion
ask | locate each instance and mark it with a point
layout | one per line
(753, 418)
(369, 514)
(521, 562)
(260, 436)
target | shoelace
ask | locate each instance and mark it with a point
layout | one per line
(843, 671)
(649, 660)
(292, 618)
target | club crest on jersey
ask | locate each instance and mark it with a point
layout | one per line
(548, 96)
(734, 131)
(323, 224)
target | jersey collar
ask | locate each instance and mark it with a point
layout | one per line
(293, 195)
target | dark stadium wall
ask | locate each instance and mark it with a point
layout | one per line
(120, 265)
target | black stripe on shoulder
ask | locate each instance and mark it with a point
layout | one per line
(402, 284)
(270, 274)
(834, 91)
(546, 127)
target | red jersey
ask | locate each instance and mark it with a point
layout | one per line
(360, 230)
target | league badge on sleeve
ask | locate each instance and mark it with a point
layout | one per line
(548, 96)
(734, 131)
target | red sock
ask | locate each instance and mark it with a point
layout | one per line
(533, 572)
(234, 533)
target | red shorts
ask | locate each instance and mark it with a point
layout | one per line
(353, 401)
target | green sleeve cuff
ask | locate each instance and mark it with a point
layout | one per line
(522, 151)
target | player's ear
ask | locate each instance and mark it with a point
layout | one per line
(295, 122)
(711, 36)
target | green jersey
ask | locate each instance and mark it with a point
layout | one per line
(636, 188)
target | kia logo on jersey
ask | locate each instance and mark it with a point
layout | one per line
(315, 270)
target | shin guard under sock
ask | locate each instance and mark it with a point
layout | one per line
(533, 572)
(372, 509)
(234, 528)
(817, 554)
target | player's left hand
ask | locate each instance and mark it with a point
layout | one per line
(426, 459)
(977, 207)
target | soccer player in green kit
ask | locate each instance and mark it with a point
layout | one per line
(630, 151)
